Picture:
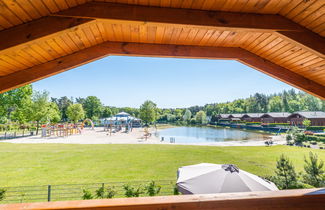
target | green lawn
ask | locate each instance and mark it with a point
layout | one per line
(42, 164)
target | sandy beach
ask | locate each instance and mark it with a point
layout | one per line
(99, 136)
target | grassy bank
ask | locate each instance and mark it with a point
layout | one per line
(40, 164)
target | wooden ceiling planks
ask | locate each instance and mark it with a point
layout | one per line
(271, 37)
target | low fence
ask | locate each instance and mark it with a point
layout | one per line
(15, 134)
(44, 193)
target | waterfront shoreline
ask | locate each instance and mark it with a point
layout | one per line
(99, 136)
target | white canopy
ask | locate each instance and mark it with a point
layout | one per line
(214, 178)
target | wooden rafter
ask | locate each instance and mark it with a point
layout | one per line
(56, 66)
(198, 18)
(41, 29)
(183, 17)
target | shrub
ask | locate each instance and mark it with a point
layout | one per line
(315, 128)
(315, 138)
(299, 137)
(288, 138)
(2, 194)
(109, 192)
(276, 124)
(176, 192)
(100, 192)
(152, 189)
(253, 123)
(131, 191)
(86, 195)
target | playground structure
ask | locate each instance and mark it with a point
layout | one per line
(89, 121)
(61, 130)
(64, 130)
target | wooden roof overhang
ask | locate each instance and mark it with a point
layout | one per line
(284, 39)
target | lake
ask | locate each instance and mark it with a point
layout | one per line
(208, 135)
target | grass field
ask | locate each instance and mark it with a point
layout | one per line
(42, 164)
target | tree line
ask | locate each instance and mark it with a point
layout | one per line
(23, 105)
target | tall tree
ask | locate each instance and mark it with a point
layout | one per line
(92, 107)
(187, 115)
(75, 112)
(275, 104)
(63, 104)
(15, 104)
(148, 112)
(286, 177)
(107, 112)
(201, 117)
(43, 111)
(315, 173)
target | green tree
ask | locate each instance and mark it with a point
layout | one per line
(75, 112)
(201, 117)
(92, 107)
(306, 123)
(187, 115)
(15, 104)
(54, 113)
(286, 177)
(315, 173)
(148, 112)
(275, 104)
(107, 112)
(63, 103)
(42, 110)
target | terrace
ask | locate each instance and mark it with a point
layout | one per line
(284, 39)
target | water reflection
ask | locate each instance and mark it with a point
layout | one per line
(206, 134)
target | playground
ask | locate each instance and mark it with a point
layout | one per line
(89, 135)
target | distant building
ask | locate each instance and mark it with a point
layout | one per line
(252, 117)
(235, 117)
(122, 118)
(317, 118)
(275, 117)
(223, 117)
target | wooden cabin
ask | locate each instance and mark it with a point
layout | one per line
(252, 117)
(275, 117)
(316, 118)
(223, 118)
(281, 38)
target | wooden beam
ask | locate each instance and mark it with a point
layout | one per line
(41, 29)
(181, 17)
(305, 39)
(280, 200)
(122, 13)
(284, 75)
(56, 66)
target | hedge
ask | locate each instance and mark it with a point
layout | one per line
(315, 128)
(275, 124)
(315, 138)
(253, 123)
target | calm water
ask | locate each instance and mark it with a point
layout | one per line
(208, 135)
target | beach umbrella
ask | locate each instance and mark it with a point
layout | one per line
(216, 178)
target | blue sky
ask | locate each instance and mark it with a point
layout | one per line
(129, 81)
